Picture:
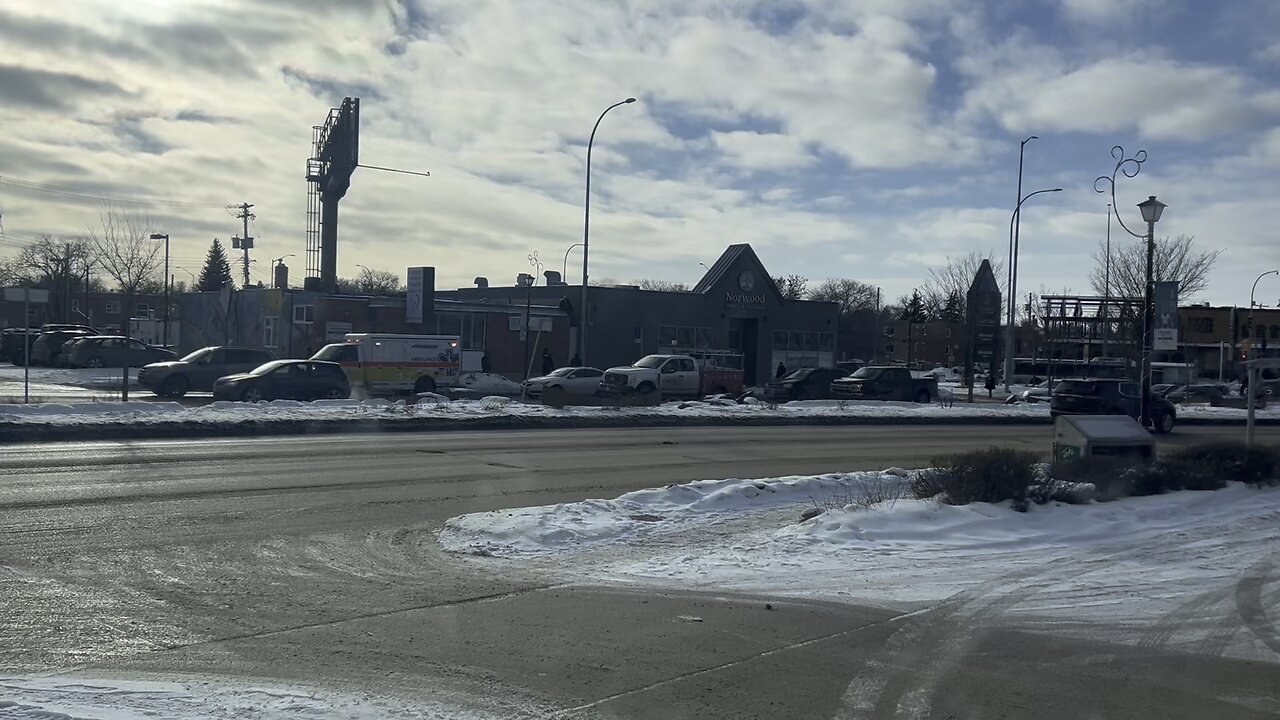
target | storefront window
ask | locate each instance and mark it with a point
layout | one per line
(703, 338)
(684, 337)
(797, 341)
(448, 323)
(779, 339)
(666, 336)
(826, 341)
(811, 342)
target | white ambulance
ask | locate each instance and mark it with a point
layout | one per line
(380, 364)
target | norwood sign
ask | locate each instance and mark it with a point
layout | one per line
(744, 301)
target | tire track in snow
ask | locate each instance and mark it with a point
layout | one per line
(1250, 606)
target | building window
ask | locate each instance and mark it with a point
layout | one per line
(304, 314)
(684, 337)
(826, 342)
(888, 348)
(113, 307)
(948, 332)
(1202, 325)
(269, 332)
(142, 310)
(1275, 332)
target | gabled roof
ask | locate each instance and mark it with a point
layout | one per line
(732, 257)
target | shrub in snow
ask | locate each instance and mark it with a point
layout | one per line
(494, 402)
(1112, 478)
(1232, 461)
(858, 492)
(991, 476)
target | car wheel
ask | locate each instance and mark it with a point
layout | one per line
(922, 396)
(335, 394)
(424, 384)
(645, 388)
(1163, 422)
(252, 395)
(95, 361)
(176, 386)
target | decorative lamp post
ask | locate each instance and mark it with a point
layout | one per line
(586, 233)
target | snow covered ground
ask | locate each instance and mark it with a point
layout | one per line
(62, 382)
(150, 412)
(1136, 564)
(73, 697)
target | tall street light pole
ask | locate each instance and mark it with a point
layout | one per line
(1012, 270)
(165, 237)
(1013, 285)
(1151, 210)
(1253, 330)
(586, 234)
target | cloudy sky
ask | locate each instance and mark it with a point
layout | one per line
(841, 138)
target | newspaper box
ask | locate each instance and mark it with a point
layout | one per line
(1079, 437)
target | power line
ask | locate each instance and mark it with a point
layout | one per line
(113, 197)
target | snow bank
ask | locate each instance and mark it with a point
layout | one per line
(202, 698)
(674, 508)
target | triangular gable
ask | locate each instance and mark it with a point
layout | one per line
(738, 257)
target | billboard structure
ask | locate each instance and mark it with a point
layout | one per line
(336, 154)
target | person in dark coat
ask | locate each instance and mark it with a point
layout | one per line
(576, 361)
(782, 371)
(547, 363)
(484, 363)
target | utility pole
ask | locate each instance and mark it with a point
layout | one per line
(244, 241)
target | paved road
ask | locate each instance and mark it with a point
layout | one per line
(315, 559)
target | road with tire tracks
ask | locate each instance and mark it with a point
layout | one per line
(314, 559)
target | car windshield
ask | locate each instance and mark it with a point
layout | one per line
(562, 372)
(198, 355)
(265, 368)
(798, 374)
(866, 373)
(650, 361)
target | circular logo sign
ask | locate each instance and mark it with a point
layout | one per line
(746, 281)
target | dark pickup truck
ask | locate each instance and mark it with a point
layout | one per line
(885, 383)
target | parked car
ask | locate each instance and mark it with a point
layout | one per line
(573, 380)
(13, 344)
(285, 380)
(99, 351)
(673, 376)
(1192, 393)
(885, 383)
(48, 345)
(198, 370)
(804, 384)
(1107, 396)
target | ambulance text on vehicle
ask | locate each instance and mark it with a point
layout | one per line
(382, 364)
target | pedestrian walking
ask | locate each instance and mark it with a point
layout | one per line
(547, 363)
(484, 363)
(782, 371)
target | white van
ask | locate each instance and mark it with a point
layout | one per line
(382, 364)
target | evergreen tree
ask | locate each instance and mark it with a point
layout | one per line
(953, 310)
(914, 310)
(217, 270)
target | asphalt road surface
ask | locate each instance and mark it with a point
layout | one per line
(315, 559)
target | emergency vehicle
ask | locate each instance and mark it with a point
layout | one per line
(381, 364)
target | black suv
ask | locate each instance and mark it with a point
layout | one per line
(1098, 396)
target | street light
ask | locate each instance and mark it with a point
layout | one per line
(564, 267)
(165, 237)
(1013, 282)
(586, 233)
(529, 281)
(194, 281)
(275, 262)
(1151, 209)
(1252, 329)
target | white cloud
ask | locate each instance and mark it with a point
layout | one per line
(1110, 12)
(761, 151)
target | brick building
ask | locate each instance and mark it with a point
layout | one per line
(927, 343)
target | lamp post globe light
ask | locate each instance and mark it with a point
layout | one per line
(1253, 330)
(586, 233)
(1012, 313)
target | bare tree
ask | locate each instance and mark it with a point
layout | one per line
(126, 253)
(850, 295)
(1175, 259)
(859, 323)
(379, 282)
(661, 285)
(792, 287)
(56, 265)
(953, 279)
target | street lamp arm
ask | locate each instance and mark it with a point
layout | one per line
(1255, 285)
(1127, 166)
(564, 267)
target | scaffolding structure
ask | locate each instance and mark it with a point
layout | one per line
(315, 172)
(1084, 327)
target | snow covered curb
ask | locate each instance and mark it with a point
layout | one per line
(168, 419)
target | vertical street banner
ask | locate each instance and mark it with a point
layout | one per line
(1165, 309)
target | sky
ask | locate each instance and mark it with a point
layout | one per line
(868, 139)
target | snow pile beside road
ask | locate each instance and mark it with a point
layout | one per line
(1125, 562)
(639, 514)
(203, 698)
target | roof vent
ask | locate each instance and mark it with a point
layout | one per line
(481, 282)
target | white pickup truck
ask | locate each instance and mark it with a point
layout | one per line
(673, 376)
